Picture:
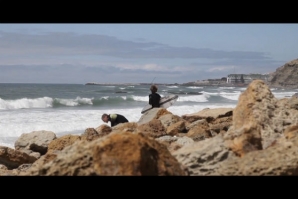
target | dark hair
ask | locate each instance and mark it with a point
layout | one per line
(104, 115)
(154, 88)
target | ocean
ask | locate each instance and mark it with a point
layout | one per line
(71, 108)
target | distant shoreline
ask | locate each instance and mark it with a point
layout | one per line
(176, 84)
(221, 84)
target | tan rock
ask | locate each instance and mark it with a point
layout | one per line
(35, 141)
(278, 160)
(129, 127)
(114, 154)
(61, 142)
(134, 154)
(208, 114)
(199, 132)
(14, 158)
(176, 128)
(153, 129)
(104, 129)
(203, 158)
(254, 110)
(154, 113)
(90, 134)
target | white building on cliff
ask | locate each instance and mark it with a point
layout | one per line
(245, 78)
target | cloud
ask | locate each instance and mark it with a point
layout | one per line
(70, 44)
(75, 58)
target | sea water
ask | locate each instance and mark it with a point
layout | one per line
(71, 108)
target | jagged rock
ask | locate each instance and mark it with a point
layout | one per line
(208, 114)
(153, 129)
(114, 154)
(104, 129)
(3, 167)
(61, 142)
(285, 76)
(129, 127)
(174, 143)
(203, 158)
(90, 134)
(154, 113)
(36, 141)
(199, 132)
(12, 158)
(279, 159)
(259, 119)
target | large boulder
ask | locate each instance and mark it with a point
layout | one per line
(203, 158)
(153, 129)
(154, 113)
(12, 158)
(115, 154)
(208, 114)
(36, 141)
(62, 142)
(280, 159)
(259, 119)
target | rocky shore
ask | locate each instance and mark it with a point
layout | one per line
(256, 138)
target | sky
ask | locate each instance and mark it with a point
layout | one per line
(78, 53)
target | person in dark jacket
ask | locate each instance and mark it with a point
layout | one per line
(154, 97)
(114, 119)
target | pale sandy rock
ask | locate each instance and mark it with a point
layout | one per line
(63, 141)
(115, 154)
(278, 160)
(176, 128)
(153, 129)
(208, 114)
(202, 158)
(285, 76)
(259, 119)
(36, 141)
(129, 127)
(154, 113)
(90, 134)
(199, 132)
(174, 143)
(201, 122)
(3, 167)
(104, 129)
(12, 158)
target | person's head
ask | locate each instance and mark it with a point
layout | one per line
(153, 88)
(105, 118)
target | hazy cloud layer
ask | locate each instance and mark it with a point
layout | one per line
(73, 58)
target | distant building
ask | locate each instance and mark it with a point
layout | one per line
(246, 78)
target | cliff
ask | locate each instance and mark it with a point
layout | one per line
(285, 76)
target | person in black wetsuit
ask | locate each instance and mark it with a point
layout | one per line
(154, 97)
(114, 119)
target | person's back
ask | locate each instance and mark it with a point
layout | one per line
(154, 97)
(114, 119)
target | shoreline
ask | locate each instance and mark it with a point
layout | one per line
(192, 84)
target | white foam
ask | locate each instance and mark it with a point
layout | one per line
(75, 102)
(195, 87)
(43, 102)
(193, 98)
(283, 94)
(172, 86)
(141, 98)
(231, 96)
(14, 123)
(226, 87)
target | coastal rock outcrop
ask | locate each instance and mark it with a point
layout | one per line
(35, 143)
(115, 154)
(285, 76)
